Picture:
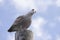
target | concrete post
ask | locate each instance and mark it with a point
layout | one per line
(24, 35)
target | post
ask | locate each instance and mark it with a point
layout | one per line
(24, 35)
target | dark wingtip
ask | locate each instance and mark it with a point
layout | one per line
(9, 30)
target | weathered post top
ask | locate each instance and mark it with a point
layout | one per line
(24, 35)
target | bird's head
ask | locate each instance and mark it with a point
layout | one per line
(30, 13)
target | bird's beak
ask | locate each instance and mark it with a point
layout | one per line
(33, 11)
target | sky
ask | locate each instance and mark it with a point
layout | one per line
(45, 22)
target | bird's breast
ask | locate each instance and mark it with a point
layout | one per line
(26, 23)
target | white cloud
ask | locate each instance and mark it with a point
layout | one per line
(1, 24)
(1, 2)
(52, 24)
(58, 3)
(46, 36)
(11, 37)
(58, 37)
(43, 4)
(57, 18)
(37, 24)
(24, 4)
(40, 5)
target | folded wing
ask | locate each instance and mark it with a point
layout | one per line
(15, 25)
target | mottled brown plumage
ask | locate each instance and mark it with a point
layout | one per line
(22, 22)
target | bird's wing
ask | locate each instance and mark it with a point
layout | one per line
(18, 20)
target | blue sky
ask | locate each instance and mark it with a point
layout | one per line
(45, 23)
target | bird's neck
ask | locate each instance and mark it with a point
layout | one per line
(27, 17)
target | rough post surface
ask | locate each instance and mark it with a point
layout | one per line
(24, 35)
